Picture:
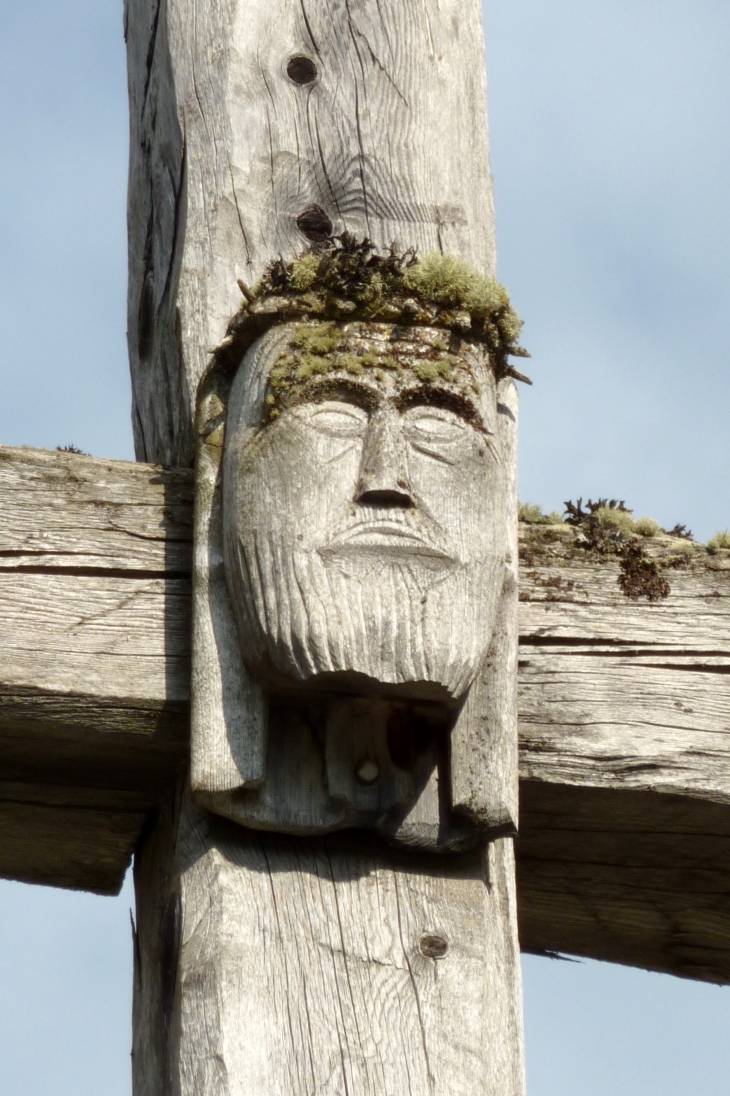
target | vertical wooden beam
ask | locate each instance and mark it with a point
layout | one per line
(267, 964)
(234, 163)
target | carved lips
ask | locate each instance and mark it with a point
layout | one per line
(406, 535)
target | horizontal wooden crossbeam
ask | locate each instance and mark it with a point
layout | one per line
(624, 845)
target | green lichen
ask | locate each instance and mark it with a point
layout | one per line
(350, 363)
(348, 276)
(647, 527)
(720, 540)
(322, 339)
(446, 280)
(426, 371)
(303, 273)
(623, 520)
(315, 350)
(533, 515)
(313, 365)
(436, 369)
(606, 527)
(617, 517)
(389, 362)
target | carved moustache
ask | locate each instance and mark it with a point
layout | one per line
(392, 531)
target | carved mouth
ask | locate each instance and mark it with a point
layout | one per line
(390, 538)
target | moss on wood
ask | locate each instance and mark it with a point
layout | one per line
(347, 279)
(605, 530)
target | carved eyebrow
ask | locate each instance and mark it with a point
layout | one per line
(434, 395)
(319, 389)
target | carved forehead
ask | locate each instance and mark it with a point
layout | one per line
(299, 361)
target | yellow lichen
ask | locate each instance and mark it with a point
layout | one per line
(720, 540)
(647, 527)
(449, 281)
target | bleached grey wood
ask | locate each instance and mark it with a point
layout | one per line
(287, 592)
(652, 711)
(631, 877)
(624, 735)
(624, 801)
(66, 512)
(232, 164)
(94, 631)
(227, 707)
(484, 778)
(389, 141)
(373, 974)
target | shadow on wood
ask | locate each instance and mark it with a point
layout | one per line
(624, 840)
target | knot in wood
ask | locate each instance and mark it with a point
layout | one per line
(432, 946)
(301, 70)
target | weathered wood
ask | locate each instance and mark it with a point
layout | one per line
(618, 693)
(624, 814)
(631, 877)
(95, 559)
(238, 156)
(625, 758)
(372, 976)
(624, 790)
(281, 524)
(233, 163)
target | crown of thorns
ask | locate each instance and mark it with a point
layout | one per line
(347, 279)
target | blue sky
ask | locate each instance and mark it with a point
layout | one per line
(611, 157)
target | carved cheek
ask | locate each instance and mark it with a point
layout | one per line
(460, 491)
(298, 479)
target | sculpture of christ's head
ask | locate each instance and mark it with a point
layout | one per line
(365, 507)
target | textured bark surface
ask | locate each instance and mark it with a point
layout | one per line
(624, 712)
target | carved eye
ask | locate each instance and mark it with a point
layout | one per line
(339, 420)
(433, 425)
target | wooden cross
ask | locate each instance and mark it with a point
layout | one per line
(270, 964)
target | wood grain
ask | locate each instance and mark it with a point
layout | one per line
(624, 727)
(625, 776)
(94, 627)
(373, 973)
(233, 163)
(227, 153)
(617, 693)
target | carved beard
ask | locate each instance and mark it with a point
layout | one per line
(394, 618)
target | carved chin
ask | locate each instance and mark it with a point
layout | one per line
(395, 617)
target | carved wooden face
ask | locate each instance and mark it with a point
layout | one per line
(364, 507)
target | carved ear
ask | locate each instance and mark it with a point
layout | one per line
(484, 784)
(228, 709)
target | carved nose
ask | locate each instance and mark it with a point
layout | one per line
(384, 479)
